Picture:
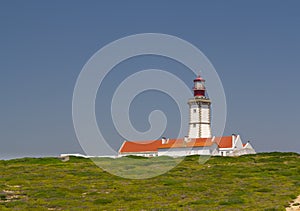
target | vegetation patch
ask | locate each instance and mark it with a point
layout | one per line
(232, 201)
(103, 201)
(266, 181)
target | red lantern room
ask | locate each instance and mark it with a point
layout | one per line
(199, 88)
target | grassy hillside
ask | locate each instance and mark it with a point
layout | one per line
(266, 181)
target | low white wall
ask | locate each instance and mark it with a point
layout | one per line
(176, 152)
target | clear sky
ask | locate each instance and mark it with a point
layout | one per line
(253, 45)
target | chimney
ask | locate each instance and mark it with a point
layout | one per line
(186, 139)
(164, 140)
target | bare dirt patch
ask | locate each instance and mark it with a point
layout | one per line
(295, 205)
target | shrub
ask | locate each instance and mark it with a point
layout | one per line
(103, 201)
(232, 201)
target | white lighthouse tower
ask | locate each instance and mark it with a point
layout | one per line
(199, 125)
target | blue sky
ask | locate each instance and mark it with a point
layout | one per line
(253, 45)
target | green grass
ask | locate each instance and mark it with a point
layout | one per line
(266, 181)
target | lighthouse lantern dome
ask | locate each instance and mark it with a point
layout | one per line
(199, 87)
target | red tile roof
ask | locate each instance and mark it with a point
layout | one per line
(224, 142)
(180, 143)
(154, 145)
(140, 146)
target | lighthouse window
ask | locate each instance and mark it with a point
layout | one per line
(194, 125)
(194, 110)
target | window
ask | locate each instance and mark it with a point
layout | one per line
(194, 110)
(194, 125)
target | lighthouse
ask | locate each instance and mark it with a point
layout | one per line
(200, 115)
(199, 140)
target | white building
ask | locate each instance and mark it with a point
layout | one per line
(199, 140)
(222, 146)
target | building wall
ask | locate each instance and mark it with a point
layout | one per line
(205, 131)
(146, 154)
(194, 130)
(238, 144)
(176, 152)
(194, 113)
(199, 125)
(205, 116)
